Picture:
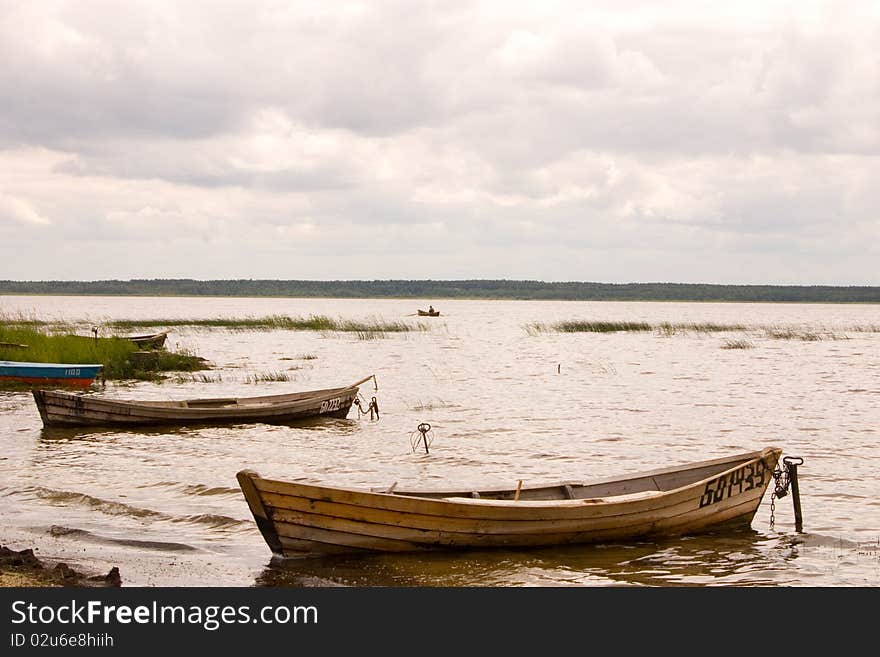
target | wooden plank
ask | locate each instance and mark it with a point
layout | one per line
(288, 508)
(443, 508)
(293, 548)
(343, 534)
(710, 466)
(344, 539)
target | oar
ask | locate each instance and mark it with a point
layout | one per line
(364, 380)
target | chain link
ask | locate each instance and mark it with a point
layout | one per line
(783, 476)
(772, 509)
(783, 479)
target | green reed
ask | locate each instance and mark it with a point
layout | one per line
(196, 378)
(263, 377)
(120, 357)
(666, 328)
(669, 328)
(575, 326)
(804, 335)
(276, 323)
(737, 344)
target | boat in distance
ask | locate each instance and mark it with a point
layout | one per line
(77, 375)
(151, 341)
(299, 519)
(428, 313)
(63, 409)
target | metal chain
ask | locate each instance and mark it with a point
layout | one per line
(783, 481)
(372, 409)
(772, 509)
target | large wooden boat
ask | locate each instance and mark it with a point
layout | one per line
(428, 313)
(78, 375)
(58, 408)
(300, 519)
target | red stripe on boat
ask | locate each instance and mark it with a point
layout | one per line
(77, 383)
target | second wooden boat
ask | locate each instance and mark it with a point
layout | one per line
(152, 341)
(58, 408)
(300, 519)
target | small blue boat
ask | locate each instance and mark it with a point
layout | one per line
(63, 374)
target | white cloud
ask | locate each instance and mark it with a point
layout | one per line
(15, 209)
(654, 140)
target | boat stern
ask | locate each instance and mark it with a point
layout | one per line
(40, 399)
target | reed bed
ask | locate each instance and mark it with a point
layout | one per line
(197, 378)
(575, 326)
(674, 328)
(277, 323)
(299, 357)
(120, 358)
(804, 335)
(737, 344)
(264, 377)
(666, 328)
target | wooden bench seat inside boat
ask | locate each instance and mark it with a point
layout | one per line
(207, 403)
(628, 497)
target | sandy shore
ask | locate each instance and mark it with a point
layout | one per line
(22, 568)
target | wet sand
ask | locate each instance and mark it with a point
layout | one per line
(23, 568)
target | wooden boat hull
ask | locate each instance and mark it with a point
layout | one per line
(58, 408)
(425, 313)
(153, 341)
(298, 519)
(77, 375)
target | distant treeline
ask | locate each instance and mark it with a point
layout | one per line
(463, 289)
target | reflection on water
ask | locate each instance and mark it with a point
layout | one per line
(712, 559)
(504, 405)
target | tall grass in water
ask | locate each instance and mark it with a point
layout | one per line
(737, 344)
(667, 328)
(277, 323)
(574, 326)
(118, 356)
(788, 333)
(267, 377)
(196, 378)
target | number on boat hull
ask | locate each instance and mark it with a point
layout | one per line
(739, 481)
(330, 405)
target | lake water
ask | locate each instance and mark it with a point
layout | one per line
(504, 404)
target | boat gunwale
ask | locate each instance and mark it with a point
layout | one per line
(437, 495)
(237, 402)
(29, 364)
(439, 506)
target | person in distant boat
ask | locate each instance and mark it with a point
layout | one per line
(431, 309)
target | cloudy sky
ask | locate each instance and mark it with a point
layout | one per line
(610, 141)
